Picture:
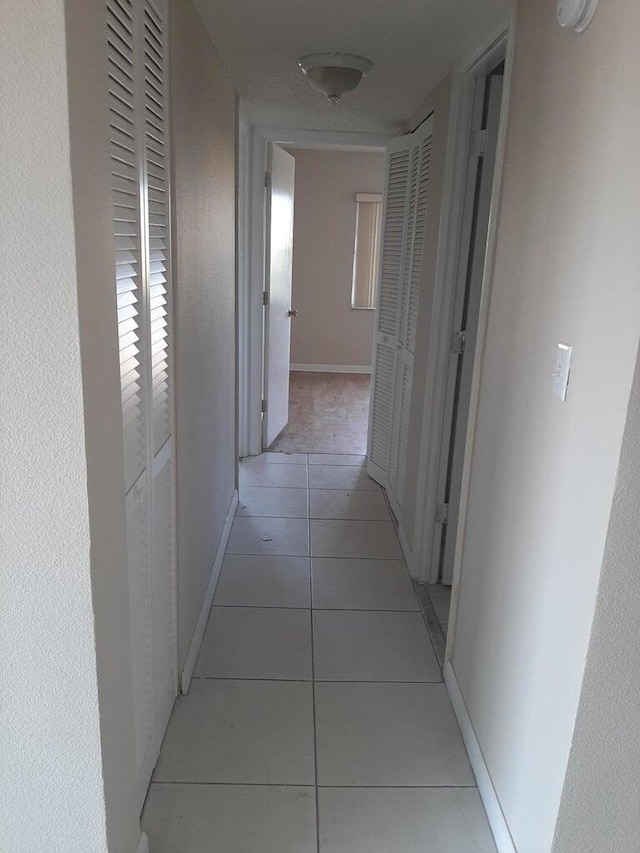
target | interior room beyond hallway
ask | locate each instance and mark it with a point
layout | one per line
(328, 413)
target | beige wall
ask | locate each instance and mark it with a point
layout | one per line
(543, 472)
(328, 330)
(438, 103)
(203, 126)
(600, 807)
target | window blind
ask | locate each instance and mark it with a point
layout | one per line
(367, 250)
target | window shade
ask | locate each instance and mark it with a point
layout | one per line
(367, 250)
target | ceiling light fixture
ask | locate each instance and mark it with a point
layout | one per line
(333, 74)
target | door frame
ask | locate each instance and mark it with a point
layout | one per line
(477, 64)
(252, 165)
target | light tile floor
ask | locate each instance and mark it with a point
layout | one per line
(317, 720)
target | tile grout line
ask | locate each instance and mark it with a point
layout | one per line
(306, 785)
(323, 609)
(310, 680)
(313, 668)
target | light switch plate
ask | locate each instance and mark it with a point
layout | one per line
(561, 372)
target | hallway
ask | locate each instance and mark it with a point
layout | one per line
(317, 719)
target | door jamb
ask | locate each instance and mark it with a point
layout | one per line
(463, 86)
(251, 285)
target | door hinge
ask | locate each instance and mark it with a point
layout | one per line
(265, 297)
(442, 514)
(458, 340)
(267, 179)
(263, 407)
(478, 143)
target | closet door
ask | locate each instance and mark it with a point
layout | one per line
(160, 353)
(136, 48)
(385, 350)
(406, 200)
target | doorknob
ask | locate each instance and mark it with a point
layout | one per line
(292, 313)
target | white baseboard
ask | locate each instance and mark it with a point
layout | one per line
(406, 549)
(196, 640)
(143, 844)
(331, 368)
(497, 822)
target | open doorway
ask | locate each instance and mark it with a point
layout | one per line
(320, 297)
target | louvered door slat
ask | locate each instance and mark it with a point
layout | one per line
(127, 228)
(155, 130)
(382, 405)
(393, 241)
(418, 247)
(407, 256)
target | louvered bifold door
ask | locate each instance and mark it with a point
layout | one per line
(160, 325)
(420, 184)
(136, 62)
(128, 215)
(394, 222)
(405, 207)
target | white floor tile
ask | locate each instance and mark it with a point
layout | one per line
(265, 475)
(340, 477)
(255, 581)
(274, 502)
(256, 732)
(276, 536)
(403, 820)
(388, 735)
(437, 590)
(362, 584)
(374, 539)
(226, 818)
(339, 503)
(337, 459)
(277, 458)
(441, 606)
(250, 642)
(361, 645)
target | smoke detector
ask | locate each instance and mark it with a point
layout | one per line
(576, 14)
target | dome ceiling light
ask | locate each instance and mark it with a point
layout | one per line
(333, 74)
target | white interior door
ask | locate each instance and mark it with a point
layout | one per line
(469, 291)
(407, 188)
(137, 50)
(278, 314)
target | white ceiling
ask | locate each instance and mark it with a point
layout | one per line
(412, 44)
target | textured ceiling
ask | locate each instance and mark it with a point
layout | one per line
(412, 43)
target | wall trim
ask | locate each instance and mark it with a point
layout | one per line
(327, 139)
(428, 535)
(143, 844)
(331, 368)
(196, 640)
(495, 815)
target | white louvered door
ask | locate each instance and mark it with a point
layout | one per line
(404, 219)
(138, 93)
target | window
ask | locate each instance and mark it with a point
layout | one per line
(364, 288)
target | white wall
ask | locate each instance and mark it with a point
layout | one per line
(543, 472)
(203, 126)
(600, 807)
(328, 330)
(51, 769)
